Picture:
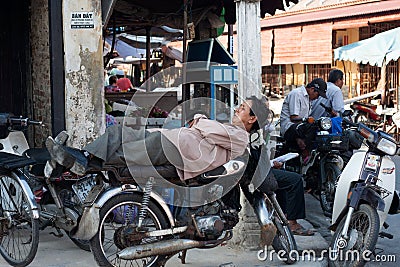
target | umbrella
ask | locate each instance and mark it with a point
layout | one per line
(124, 49)
(140, 41)
(374, 51)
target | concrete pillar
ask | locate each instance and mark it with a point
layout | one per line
(249, 47)
(84, 88)
(247, 231)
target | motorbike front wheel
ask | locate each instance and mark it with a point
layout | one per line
(327, 192)
(116, 214)
(284, 241)
(19, 231)
(363, 234)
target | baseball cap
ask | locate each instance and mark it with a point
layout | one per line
(319, 85)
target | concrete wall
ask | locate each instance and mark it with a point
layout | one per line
(41, 95)
(84, 91)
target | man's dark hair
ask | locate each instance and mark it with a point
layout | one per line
(112, 79)
(335, 75)
(261, 111)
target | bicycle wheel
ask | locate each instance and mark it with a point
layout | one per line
(116, 216)
(19, 232)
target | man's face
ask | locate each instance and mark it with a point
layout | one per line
(242, 115)
(312, 93)
(339, 83)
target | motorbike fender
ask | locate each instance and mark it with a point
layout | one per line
(90, 220)
(387, 180)
(28, 192)
(395, 205)
(350, 173)
(367, 195)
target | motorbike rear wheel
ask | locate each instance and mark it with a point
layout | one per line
(327, 195)
(363, 234)
(120, 211)
(19, 231)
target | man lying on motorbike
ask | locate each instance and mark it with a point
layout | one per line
(205, 145)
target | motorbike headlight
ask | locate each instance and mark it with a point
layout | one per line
(387, 146)
(325, 123)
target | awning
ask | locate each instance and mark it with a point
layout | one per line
(372, 50)
(202, 53)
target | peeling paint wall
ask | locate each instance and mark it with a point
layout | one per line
(84, 92)
(41, 88)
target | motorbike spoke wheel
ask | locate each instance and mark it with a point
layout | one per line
(327, 195)
(115, 215)
(19, 232)
(363, 234)
(284, 241)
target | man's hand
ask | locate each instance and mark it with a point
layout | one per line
(277, 164)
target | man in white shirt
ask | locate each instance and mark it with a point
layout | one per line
(296, 107)
(335, 97)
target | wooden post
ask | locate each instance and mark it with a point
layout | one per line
(247, 232)
(249, 56)
(148, 54)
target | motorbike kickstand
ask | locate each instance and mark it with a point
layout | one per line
(182, 256)
(58, 234)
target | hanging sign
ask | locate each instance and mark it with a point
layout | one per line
(82, 20)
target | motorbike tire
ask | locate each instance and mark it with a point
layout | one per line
(19, 231)
(364, 237)
(80, 243)
(326, 197)
(113, 215)
(284, 241)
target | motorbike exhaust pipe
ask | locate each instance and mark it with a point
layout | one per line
(163, 247)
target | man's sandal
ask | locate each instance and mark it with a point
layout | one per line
(300, 230)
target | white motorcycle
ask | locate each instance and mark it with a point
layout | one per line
(365, 195)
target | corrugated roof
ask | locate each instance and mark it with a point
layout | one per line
(290, 18)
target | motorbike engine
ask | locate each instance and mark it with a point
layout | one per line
(214, 218)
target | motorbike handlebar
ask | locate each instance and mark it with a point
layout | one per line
(327, 109)
(308, 120)
(346, 120)
(7, 119)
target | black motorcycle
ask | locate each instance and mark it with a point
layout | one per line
(328, 156)
(145, 221)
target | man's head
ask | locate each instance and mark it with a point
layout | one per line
(336, 77)
(316, 88)
(252, 114)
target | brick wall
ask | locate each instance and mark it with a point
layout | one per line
(41, 95)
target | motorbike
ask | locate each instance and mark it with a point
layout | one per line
(29, 201)
(328, 156)
(130, 223)
(366, 113)
(365, 195)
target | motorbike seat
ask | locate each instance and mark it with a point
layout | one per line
(169, 172)
(11, 161)
(368, 105)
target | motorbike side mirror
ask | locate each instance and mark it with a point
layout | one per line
(347, 113)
